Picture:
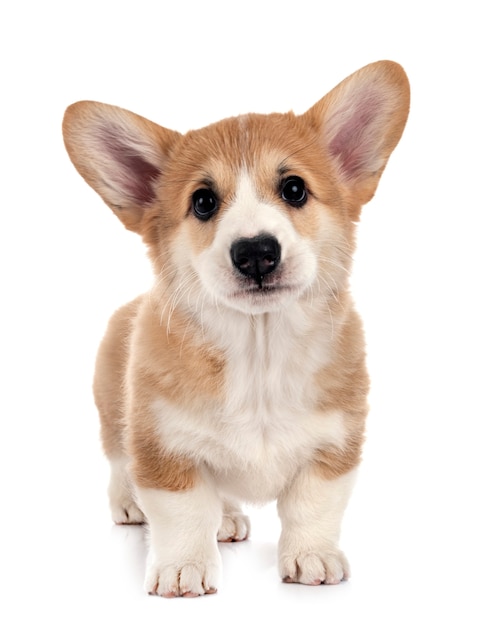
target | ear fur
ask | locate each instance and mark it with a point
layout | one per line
(119, 154)
(360, 122)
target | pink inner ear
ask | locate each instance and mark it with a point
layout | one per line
(356, 142)
(131, 172)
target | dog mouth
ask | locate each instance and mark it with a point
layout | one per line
(261, 290)
(272, 295)
(261, 285)
(264, 292)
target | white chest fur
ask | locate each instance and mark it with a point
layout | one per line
(268, 424)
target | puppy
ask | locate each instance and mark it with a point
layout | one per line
(241, 375)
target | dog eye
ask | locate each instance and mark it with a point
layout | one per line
(293, 191)
(204, 203)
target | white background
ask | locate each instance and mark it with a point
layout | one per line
(420, 530)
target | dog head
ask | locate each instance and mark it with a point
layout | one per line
(253, 212)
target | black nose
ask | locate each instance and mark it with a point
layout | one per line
(256, 257)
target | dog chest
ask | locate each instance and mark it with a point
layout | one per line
(252, 454)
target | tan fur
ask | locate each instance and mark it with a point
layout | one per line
(155, 469)
(110, 371)
(344, 386)
(153, 370)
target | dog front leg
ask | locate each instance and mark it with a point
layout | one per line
(183, 557)
(121, 495)
(311, 510)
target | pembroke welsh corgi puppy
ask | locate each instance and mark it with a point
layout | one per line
(241, 375)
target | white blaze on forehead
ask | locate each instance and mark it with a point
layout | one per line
(249, 215)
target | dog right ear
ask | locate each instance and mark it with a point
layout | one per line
(120, 154)
(360, 122)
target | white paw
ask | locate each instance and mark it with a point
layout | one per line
(123, 507)
(122, 502)
(235, 527)
(184, 559)
(311, 512)
(189, 580)
(328, 567)
(126, 511)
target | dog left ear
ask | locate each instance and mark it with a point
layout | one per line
(121, 155)
(361, 121)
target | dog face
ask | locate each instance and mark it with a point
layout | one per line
(254, 212)
(262, 219)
